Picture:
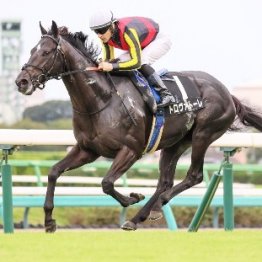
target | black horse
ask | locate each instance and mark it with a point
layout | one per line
(113, 121)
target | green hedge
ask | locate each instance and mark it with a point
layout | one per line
(247, 176)
(108, 217)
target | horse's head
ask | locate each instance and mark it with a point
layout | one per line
(44, 62)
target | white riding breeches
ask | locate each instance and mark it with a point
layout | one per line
(155, 50)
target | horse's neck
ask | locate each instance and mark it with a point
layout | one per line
(89, 91)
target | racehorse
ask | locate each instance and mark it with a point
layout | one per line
(110, 119)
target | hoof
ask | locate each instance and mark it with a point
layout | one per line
(155, 215)
(50, 227)
(138, 197)
(129, 226)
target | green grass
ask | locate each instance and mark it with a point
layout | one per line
(141, 245)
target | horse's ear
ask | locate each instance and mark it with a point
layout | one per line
(43, 31)
(54, 29)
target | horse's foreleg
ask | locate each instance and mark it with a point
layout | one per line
(75, 158)
(122, 162)
(152, 208)
(168, 161)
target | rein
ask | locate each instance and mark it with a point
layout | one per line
(89, 68)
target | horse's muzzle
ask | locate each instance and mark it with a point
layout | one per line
(24, 85)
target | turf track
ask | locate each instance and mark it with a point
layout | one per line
(141, 245)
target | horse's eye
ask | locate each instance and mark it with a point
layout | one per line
(45, 53)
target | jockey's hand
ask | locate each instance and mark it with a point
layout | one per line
(105, 66)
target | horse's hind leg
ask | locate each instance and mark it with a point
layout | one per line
(200, 143)
(75, 158)
(168, 162)
(210, 124)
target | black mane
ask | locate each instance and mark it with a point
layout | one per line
(81, 42)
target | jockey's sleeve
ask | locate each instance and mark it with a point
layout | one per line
(135, 50)
(108, 52)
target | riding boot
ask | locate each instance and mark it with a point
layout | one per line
(166, 97)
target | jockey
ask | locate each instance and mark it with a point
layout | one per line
(142, 41)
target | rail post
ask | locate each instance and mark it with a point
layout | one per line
(228, 189)
(7, 197)
(205, 203)
(226, 166)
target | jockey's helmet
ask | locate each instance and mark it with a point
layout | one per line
(101, 19)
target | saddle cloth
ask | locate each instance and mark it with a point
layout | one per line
(185, 92)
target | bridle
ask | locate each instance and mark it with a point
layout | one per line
(40, 81)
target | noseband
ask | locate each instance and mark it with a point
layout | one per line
(40, 81)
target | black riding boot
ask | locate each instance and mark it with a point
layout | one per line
(154, 79)
(166, 97)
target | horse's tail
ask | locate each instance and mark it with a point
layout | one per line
(247, 115)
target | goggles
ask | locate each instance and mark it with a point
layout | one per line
(102, 30)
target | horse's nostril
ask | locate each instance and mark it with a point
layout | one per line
(21, 83)
(24, 82)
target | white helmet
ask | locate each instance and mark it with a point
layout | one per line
(100, 19)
